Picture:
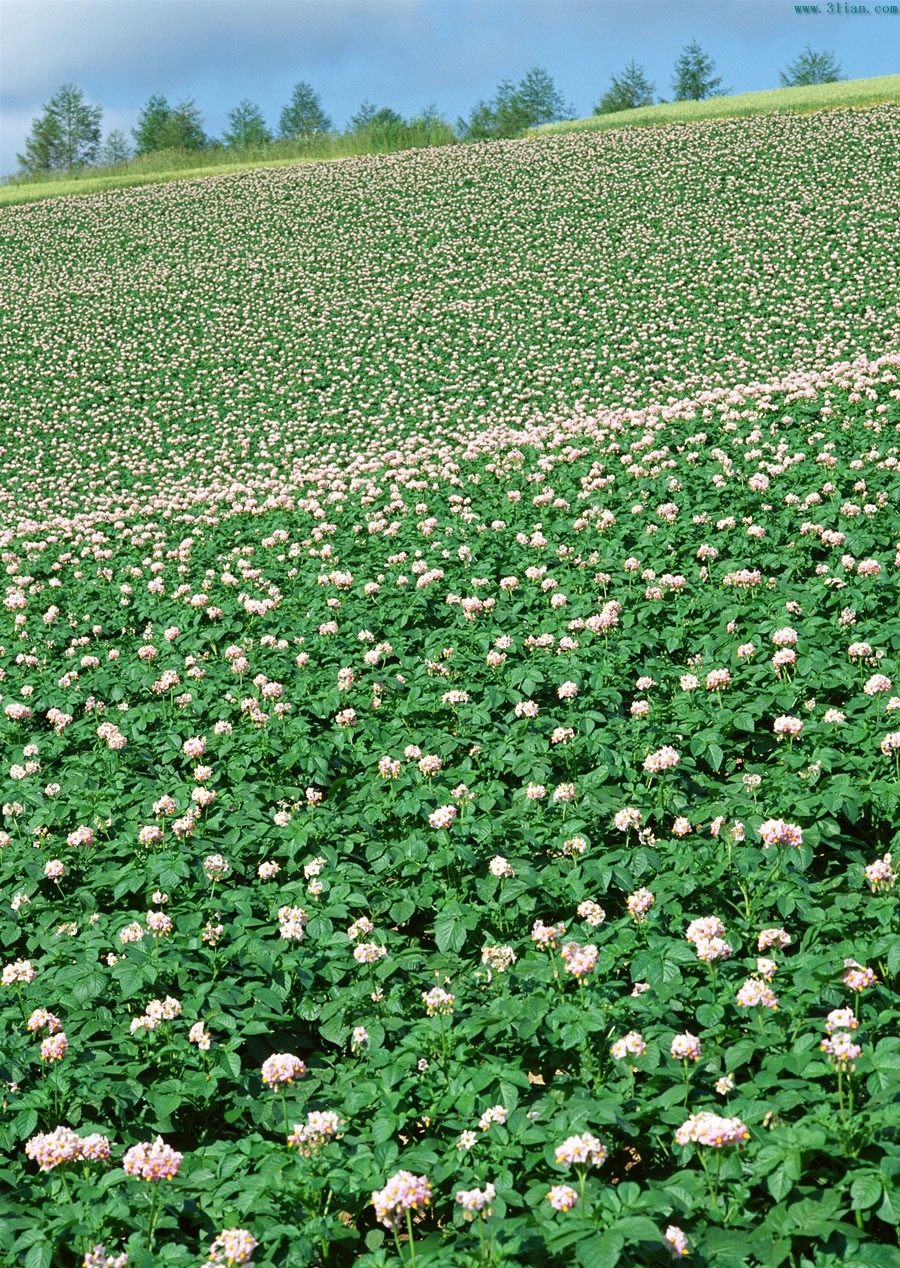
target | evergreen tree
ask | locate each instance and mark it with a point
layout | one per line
(811, 68)
(303, 115)
(628, 91)
(693, 79)
(65, 136)
(246, 126)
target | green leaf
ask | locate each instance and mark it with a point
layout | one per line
(865, 1191)
(40, 1255)
(779, 1184)
(601, 1252)
(449, 933)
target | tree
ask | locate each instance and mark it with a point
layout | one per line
(149, 135)
(164, 127)
(515, 108)
(184, 128)
(811, 68)
(539, 99)
(693, 79)
(628, 91)
(65, 136)
(115, 149)
(246, 126)
(303, 115)
(383, 120)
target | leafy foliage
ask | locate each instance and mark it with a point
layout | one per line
(65, 136)
(810, 68)
(246, 126)
(693, 79)
(164, 127)
(303, 116)
(535, 100)
(405, 781)
(628, 91)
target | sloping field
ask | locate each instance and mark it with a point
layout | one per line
(450, 646)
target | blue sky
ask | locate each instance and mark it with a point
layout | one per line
(399, 53)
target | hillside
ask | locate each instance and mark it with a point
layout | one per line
(249, 324)
(447, 666)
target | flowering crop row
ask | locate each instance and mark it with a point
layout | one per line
(466, 849)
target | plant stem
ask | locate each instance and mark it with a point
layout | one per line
(412, 1247)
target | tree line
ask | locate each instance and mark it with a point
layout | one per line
(67, 136)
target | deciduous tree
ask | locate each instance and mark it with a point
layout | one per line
(303, 115)
(246, 126)
(65, 136)
(693, 79)
(514, 108)
(628, 91)
(810, 68)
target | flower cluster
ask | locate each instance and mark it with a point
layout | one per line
(403, 1193)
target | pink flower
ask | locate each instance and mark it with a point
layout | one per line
(320, 1127)
(403, 1192)
(841, 1019)
(562, 1197)
(18, 971)
(639, 903)
(857, 977)
(52, 1149)
(216, 867)
(773, 938)
(876, 684)
(476, 1201)
(787, 725)
(54, 1047)
(437, 1000)
(663, 759)
(842, 1050)
(41, 1018)
(232, 1246)
(685, 1047)
(442, 817)
(756, 992)
(154, 1161)
(546, 935)
(709, 1129)
(98, 1258)
(881, 875)
(579, 960)
(676, 1242)
(777, 832)
(631, 1044)
(583, 1150)
(158, 923)
(282, 1067)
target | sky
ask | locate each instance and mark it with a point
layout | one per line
(405, 54)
